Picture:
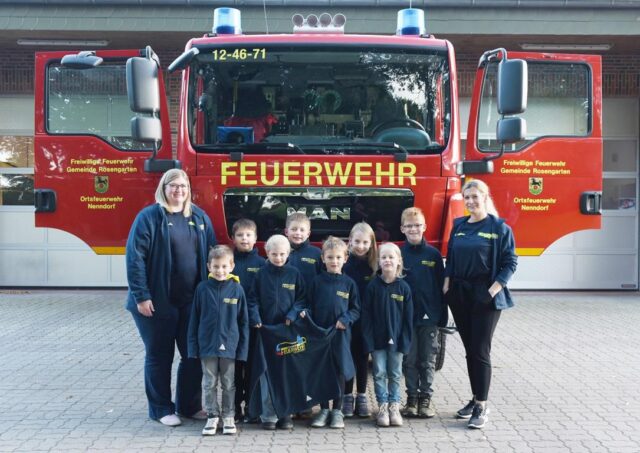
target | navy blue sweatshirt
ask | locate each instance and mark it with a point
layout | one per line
(358, 269)
(277, 294)
(425, 276)
(387, 316)
(494, 240)
(219, 323)
(307, 259)
(148, 256)
(246, 266)
(331, 298)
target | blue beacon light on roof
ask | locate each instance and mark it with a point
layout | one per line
(226, 21)
(411, 22)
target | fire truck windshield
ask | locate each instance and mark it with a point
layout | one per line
(319, 100)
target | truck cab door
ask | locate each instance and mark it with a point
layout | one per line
(90, 178)
(549, 184)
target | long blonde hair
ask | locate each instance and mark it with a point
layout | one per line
(167, 178)
(483, 188)
(372, 254)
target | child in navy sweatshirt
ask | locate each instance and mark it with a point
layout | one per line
(304, 256)
(425, 276)
(218, 336)
(361, 267)
(332, 300)
(244, 234)
(277, 296)
(387, 326)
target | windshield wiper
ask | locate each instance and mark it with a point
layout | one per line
(253, 148)
(339, 146)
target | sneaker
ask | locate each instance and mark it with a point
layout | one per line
(170, 420)
(321, 419)
(211, 427)
(362, 406)
(466, 411)
(269, 426)
(411, 408)
(479, 417)
(395, 419)
(347, 406)
(383, 415)
(337, 419)
(200, 415)
(285, 423)
(425, 408)
(228, 426)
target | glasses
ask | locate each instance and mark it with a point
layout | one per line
(412, 226)
(178, 186)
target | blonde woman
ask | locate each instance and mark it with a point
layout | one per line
(480, 261)
(166, 258)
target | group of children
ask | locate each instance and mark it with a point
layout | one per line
(386, 302)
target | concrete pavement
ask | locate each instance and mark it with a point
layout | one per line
(566, 372)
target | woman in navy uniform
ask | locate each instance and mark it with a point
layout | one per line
(166, 258)
(480, 261)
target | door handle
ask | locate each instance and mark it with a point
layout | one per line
(591, 203)
(45, 200)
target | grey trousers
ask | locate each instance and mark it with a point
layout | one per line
(214, 369)
(419, 366)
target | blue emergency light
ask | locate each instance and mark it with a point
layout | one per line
(226, 21)
(411, 22)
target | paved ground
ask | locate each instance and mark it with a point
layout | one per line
(566, 375)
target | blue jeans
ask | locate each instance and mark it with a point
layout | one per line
(268, 411)
(419, 366)
(387, 373)
(160, 336)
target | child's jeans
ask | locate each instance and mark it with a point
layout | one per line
(387, 373)
(214, 368)
(419, 366)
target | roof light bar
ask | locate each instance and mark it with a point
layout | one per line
(314, 24)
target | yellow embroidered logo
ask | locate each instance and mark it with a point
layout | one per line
(488, 235)
(429, 263)
(397, 297)
(228, 300)
(308, 260)
(343, 294)
(253, 269)
(459, 234)
(290, 286)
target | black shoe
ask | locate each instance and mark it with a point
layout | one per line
(285, 423)
(269, 426)
(238, 415)
(466, 411)
(479, 417)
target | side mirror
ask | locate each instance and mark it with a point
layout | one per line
(512, 87)
(146, 129)
(142, 85)
(511, 130)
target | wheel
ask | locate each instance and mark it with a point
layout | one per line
(442, 340)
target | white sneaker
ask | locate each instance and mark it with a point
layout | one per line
(228, 425)
(383, 415)
(170, 420)
(395, 419)
(321, 419)
(211, 427)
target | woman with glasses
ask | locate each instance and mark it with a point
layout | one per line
(480, 261)
(166, 258)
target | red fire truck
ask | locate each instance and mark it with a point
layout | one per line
(343, 127)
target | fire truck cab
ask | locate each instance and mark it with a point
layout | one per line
(345, 128)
